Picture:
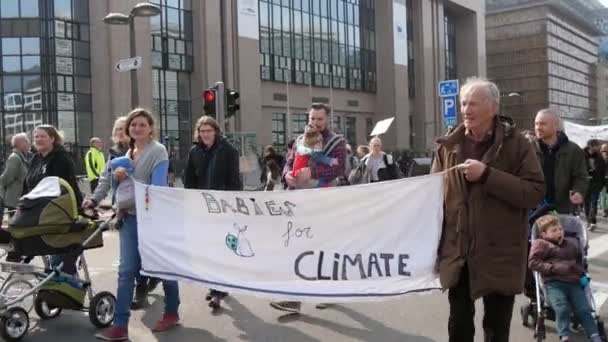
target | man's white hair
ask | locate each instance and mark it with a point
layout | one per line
(17, 137)
(475, 83)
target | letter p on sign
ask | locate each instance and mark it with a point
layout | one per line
(449, 110)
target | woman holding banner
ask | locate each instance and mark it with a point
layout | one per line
(150, 167)
(213, 164)
(121, 146)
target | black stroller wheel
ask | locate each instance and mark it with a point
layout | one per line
(102, 309)
(14, 324)
(44, 311)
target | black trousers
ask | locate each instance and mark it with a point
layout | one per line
(498, 310)
(94, 184)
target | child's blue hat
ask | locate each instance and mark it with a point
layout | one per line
(124, 161)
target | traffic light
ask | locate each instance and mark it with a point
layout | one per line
(232, 102)
(210, 103)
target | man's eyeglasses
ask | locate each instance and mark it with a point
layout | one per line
(604, 151)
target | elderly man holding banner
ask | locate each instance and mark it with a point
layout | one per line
(492, 177)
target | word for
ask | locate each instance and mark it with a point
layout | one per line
(247, 206)
(296, 232)
(362, 268)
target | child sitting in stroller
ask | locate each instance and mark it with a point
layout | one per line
(556, 259)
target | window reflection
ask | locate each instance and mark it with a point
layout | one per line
(29, 8)
(30, 46)
(63, 9)
(11, 84)
(11, 64)
(9, 8)
(65, 50)
(10, 46)
(31, 64)
(172, 64)
(333, 36)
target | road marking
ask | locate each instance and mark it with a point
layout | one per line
(598, 246)
(600, 293)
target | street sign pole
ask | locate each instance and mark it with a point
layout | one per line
(134, 80)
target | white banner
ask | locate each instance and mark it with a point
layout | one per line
(373, 241)
(248, 19)
(580, 134)
(400, 32)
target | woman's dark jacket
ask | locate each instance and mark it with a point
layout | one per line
(58, 164)
(213, 168)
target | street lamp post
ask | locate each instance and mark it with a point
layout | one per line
(142, 9)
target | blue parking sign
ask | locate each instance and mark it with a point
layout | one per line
(448, 88)
(449, 110)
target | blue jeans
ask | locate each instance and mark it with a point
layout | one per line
(69, 262)
(564, 297)
(128, 271)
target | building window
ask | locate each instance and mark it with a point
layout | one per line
(278, 129)
(172, 65)
(411, 71)
(351, 129)
(319, 42)
(337, 124)
(369, 126)
(451, 71)
(46, 75)
(298, 122)
(19, 9)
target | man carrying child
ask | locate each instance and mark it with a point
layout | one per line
(315, 173)
(556, 258)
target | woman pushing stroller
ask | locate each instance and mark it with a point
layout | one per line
(51, 159)
(556, 257)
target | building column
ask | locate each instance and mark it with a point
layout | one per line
(430, 68)
(392, 76)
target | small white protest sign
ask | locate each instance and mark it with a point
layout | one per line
(382, 126)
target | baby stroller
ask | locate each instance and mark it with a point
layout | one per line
(535, 313)
(47, 222)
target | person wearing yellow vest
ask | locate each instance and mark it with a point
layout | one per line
(95, 162)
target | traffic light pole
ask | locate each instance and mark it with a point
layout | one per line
(220, 101)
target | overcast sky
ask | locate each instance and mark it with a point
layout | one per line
(604, 2)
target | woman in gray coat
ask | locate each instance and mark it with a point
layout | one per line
(11, 180)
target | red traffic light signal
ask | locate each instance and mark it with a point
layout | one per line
(209, 96)
(210, 106)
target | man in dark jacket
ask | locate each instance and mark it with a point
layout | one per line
(597, 172)
(563, 163)
(213, 164)
(492, 178)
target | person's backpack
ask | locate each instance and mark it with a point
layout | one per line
(392, 171)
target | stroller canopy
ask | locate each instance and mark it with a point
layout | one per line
(51, 203)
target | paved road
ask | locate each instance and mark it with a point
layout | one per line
(415, 318)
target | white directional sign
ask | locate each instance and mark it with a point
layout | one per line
(128, 64)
